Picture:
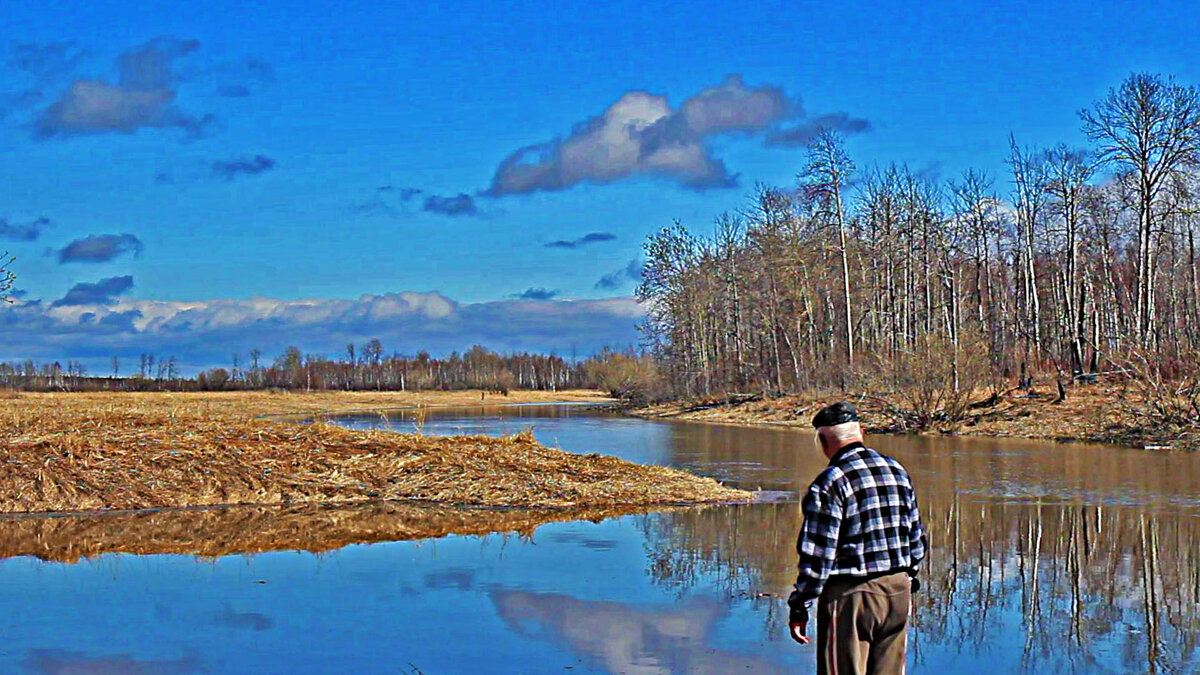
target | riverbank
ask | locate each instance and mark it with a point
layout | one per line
(97, 452)
(1093, 413)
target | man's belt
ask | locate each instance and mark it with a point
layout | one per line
(858, 579)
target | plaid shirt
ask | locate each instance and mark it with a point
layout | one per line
(860, 519)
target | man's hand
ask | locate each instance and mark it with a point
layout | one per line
(796, 630)
(797, 618)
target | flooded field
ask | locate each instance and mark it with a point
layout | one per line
(1046, 558)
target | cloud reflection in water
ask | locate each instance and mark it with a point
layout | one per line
(625, 638)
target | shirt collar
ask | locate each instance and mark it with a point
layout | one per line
(846, 450)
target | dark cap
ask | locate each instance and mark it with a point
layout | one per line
(838, 413)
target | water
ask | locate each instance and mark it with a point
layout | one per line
(1046, 558)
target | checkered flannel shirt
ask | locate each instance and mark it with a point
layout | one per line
(860, 520)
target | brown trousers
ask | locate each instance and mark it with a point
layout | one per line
(862, 627)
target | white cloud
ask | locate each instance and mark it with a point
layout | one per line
(205, 333)
(642, 135)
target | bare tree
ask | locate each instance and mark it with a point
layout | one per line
(1069, 174)
(7, 277)
(1029, 198)
(823, 180)
(1149, 128)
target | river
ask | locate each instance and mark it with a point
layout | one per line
(1045, 558)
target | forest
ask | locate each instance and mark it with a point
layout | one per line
(365, 367)
(1078, 263)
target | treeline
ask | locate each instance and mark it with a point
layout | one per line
(1078, 261)
(361, 368)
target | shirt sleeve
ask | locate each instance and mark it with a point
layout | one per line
(818, 540)
(917, 540)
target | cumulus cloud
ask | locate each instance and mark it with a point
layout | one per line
(100, 248)
(616, 279)
(142, 97)
(461, 204)
(232, 168)
(29, 231)
(642, 135)
(204, 333)
(103, 292)
(590, 238)
(537, 294)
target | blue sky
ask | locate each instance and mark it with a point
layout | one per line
(256, 169)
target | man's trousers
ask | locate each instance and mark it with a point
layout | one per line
(862, 626)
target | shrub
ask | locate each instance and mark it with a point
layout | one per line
(1162, 397)
(932, 385)
(626, 375)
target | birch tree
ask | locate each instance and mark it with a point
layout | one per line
(1149, 129)
(823, 180)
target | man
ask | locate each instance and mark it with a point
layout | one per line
(859, 549)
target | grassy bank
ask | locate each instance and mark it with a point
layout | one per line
(1097, 413)
(92, 452)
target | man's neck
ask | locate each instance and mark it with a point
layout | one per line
(845, 448)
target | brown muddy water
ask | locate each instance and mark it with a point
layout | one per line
(1046, 558)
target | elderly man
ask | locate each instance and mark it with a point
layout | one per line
(859, 549)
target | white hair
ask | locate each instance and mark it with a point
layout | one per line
(839, 434)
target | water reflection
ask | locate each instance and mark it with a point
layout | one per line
(623, 638)
(1044, 558)
(1024, 587)
(244, 620)
(214, 532)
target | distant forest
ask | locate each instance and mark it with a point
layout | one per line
(1078, 262)
(362, 368)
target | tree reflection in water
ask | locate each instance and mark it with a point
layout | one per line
(1073, 588)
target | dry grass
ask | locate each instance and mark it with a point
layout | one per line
(251, 404)
(83, 452)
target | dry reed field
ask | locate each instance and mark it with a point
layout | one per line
(95, 452)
